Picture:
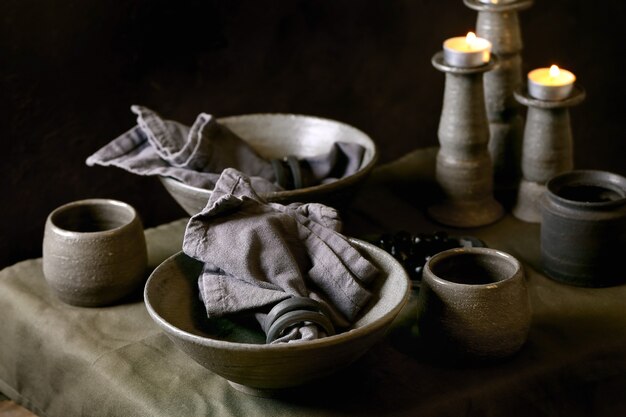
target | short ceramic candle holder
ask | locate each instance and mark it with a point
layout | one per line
(464, 170)
(498, 22)
(547, 149)
(583, 228)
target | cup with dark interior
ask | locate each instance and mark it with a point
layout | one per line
(583, 228)
(473, 304)
(94, 252)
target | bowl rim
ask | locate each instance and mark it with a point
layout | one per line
(351, 334)
(300, 191)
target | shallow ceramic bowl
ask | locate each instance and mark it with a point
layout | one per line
(237, 351)
(280, 135)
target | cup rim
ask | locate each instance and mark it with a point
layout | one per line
(518, 268)
(598, 178)
(91, 202)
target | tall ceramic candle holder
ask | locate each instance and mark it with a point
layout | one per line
(464, 170)
(498, 22)
(547, 149)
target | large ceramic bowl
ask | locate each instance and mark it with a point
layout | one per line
(280, 135)
(237, 351)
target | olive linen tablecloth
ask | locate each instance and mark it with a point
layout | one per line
(60, 360)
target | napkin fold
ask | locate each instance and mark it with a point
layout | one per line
(257, 254)
(197, 155)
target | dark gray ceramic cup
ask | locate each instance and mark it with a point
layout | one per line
(94, 252)
(583, 228)
(473, 303)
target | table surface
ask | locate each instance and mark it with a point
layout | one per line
(61, 360)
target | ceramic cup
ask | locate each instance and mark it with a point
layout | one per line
(583, 228)
(94, 252)
(473, 304)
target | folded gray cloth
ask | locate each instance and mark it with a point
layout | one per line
(257, 254)
(196, 156)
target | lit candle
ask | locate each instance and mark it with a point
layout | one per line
(466, 51)
(551, 83)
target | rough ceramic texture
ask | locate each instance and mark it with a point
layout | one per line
(505, 148)
(547, 148)
(238, 353)
(499, 23)
(502, 30)
(473, 304)
(583, 229)
(280, 135)
(528, 202)
(464, 169)
(502, 6)
(506, 125)
(94, 252)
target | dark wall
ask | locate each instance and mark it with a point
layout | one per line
(70, 69)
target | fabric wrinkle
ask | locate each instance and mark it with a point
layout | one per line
(269, 252)
(197, 156)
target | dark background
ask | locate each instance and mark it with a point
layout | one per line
(69, 70)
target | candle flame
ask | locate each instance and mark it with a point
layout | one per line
(554, 71)
(470, 40)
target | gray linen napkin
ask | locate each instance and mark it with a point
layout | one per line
(257, 254)
(196, 156)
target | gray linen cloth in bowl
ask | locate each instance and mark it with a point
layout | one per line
(197, 155)
(257, 254)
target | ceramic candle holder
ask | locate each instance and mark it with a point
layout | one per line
(464, 170)
(473, 304)
(94, 252)
(547, 149)
(583, 228)
(498, 22)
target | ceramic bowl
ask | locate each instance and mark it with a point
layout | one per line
(237, 351)
(280, 135)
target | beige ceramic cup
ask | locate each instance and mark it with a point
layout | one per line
(473, 303)
(94, 252)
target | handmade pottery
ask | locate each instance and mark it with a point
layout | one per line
(583, 228)
(94, 252)
(498, 22)
(547, 149)
(237, 351)
(282, 135)
(473, 304)
(464, 170)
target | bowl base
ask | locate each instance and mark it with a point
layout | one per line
(259, 392)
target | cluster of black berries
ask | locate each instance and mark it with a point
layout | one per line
(413, 251)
